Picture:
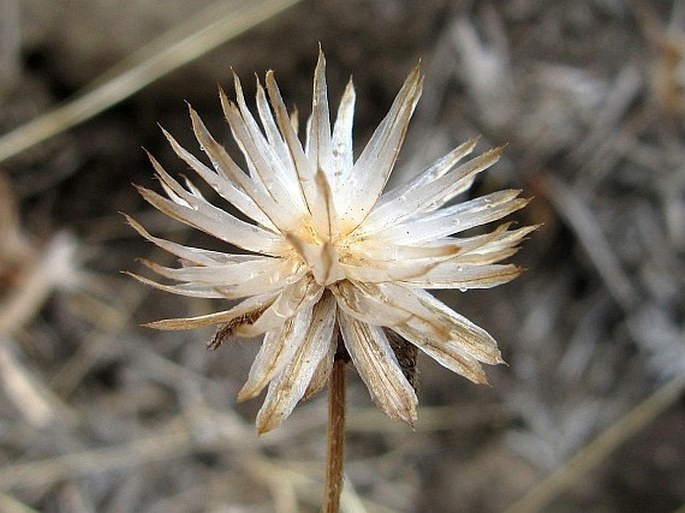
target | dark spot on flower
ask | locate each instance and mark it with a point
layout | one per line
(227, 330)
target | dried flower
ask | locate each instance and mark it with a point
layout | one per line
(329, 254)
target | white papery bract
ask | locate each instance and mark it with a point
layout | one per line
(328, 263)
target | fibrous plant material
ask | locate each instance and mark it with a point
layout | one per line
(29, 275)
(207, 30)
(332, 268)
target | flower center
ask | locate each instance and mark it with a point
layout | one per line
(320, 254)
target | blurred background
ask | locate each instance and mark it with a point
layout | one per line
(98, 414)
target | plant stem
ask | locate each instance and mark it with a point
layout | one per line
(336, 438)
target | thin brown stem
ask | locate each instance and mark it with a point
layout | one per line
(336, 438)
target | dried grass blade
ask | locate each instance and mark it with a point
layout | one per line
(215, 25)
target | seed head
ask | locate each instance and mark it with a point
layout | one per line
(330, 264)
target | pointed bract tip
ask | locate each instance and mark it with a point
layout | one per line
(270, 76)
(408, 417)
(129, 220)
(320, 70)
(264, 428)
(155, 325)
(415, 73)
(498, 150)
(237, 85)
(243, 395)
(171, 324)
(270, 419)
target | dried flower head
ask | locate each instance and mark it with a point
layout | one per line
(334, 267)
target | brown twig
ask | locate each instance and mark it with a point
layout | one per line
(336, 438)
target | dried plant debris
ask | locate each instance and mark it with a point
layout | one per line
(120, 418)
